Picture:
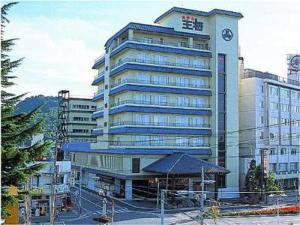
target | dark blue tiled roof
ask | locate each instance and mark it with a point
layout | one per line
(180, 163)
(153, 28)
(199, 13)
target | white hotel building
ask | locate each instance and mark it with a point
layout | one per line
(165, 88)
(270, 119)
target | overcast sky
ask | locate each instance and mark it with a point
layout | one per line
(60, 40)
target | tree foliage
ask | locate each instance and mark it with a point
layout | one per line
(16, 128)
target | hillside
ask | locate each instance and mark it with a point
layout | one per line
(48, 111)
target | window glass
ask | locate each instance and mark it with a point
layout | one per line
(221, 64)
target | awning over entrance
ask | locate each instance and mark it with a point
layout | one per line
(180, 163)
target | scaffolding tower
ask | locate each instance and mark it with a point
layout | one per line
(61, 138)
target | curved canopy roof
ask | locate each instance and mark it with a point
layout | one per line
(180, 163)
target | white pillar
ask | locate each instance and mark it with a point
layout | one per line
(130, 34)
(117, 186)
(128, 189)
(190, 44)
(191, 183)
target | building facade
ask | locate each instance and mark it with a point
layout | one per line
(165, 88)
(270, 120)
(80, 123)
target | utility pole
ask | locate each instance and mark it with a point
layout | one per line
(202, 198)
(80, 189)
(162, 207)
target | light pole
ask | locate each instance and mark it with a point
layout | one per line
(277, 205)
(157, 193)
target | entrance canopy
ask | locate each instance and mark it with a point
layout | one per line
(180, 163)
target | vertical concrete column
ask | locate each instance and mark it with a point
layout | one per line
(130, 34)
(117, 186)
(191, 183)
(128, 189)
(191, 42)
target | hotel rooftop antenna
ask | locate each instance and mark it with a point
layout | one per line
(61, 138)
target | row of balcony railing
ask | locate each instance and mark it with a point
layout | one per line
(141, 102)
(158, 124)
(157, 62)
(286, 172)
(100, 91)
(151, 143)
(165, 83)
(99, 74)
(165, 43)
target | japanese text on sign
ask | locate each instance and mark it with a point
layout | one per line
(191, 23)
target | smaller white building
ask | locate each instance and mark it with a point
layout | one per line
(269, 108)
(41, 187)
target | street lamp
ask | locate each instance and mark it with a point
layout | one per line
(277, 204)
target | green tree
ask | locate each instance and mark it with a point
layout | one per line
(271, 185)
(17, 163)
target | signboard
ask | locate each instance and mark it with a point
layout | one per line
(191, 23)
(293, 62)
(227, 34)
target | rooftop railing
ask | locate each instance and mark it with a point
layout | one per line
(140, 102)
(183, 44)
(167, 83)
(163, 63)
(270, 76)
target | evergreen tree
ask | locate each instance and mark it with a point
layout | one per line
(17, 163)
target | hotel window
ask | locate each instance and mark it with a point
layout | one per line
(274, 121)
(284, 93)
(182, 101)
(261, 104)
(273, 91)
(197, 121)
(285, 108)
(273, 136)
(143, 119)
(295, 95)
(143, 78)
(294, 166)
(262, 120)
(272, 151)
(274, 106)
(198, 102)
(261, 136)
(182, 120)
(161, 80)
(144, 98)
(283, 166)
(197, 82)
(181, 81)
(293, 151)
(161, 120)
(163, 59)
(283, 151)
(142, 140)
(159, 99)
(272, 167)
(182, 61)
(262, 89)
(135, 165)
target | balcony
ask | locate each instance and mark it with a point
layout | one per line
(156, 144)
(160, 63)
(165, 43)
(139, 102)
(99, 74)
(100, 91)
(168, 83)
(157, 124)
